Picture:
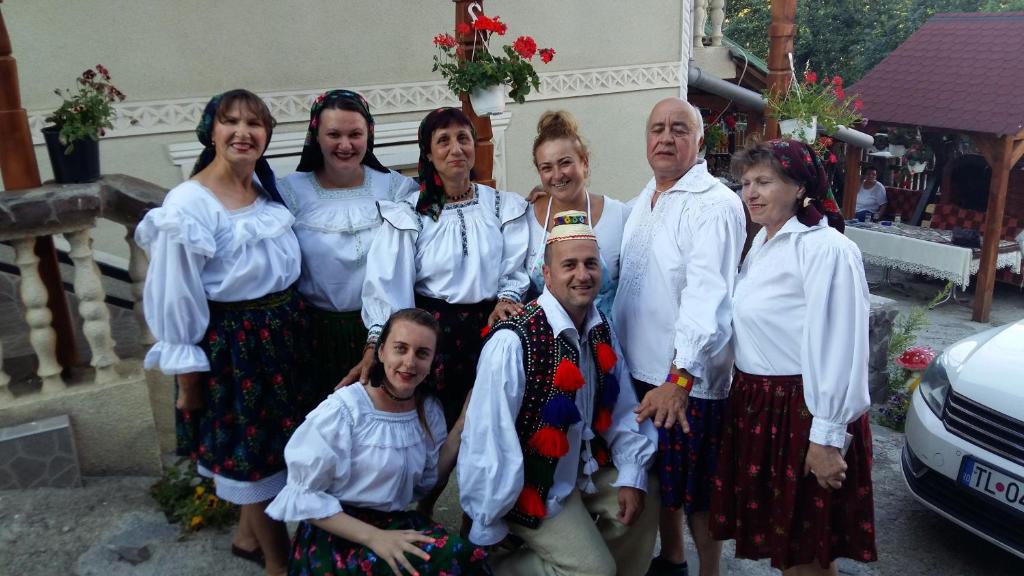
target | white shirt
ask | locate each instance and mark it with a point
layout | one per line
(491, 458)
(679, 264)
(609, 242)
(348, 453)
(475, 251)
(871, 198)
(801, 307)
(335, 228)
(200, 251)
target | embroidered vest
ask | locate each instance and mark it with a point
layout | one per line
(549, 404)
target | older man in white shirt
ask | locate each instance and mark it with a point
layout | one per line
(680, 253)
(550, 439)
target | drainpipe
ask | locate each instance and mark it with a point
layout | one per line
(750, 99)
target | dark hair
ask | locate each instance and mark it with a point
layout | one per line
(869, 169)
(250, 101)
(758, 154)
(377, 375)
(431, 199)
(312, 157)
(558, 125)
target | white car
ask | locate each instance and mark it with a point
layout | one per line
(964, 451)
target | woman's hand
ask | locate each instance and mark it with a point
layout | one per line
(536, 194)
(504, 310)
(393, 545)
(827, 464)
(361, 371)
(190, 391)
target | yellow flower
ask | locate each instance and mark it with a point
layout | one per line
(200, 490)
(196, 522)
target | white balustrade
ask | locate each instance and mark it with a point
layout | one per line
(700, 17)
(37, 315)
(717, 18)
(92, 306)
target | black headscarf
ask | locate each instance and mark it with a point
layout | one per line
(204, 132)
(312, 157)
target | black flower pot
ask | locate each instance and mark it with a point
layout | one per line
(82, 165)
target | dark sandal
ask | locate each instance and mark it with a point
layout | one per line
(661, 567)
(255, 555)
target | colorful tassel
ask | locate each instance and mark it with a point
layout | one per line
(560, 412)
(530, 503)
(609, 390)
(550, 442)
(603, 420)
(568, 377)
(606, 357)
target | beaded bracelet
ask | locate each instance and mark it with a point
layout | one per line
(680, 380)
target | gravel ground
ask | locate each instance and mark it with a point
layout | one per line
(101, 528)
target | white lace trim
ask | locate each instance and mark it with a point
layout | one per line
(1009, 260)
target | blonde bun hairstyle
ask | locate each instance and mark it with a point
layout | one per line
(556, 125)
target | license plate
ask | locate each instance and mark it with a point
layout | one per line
(993, 483)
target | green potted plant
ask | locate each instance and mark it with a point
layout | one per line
(72, 138)
(810, 104)
(483, 74)
(918, 156)
(714, 137)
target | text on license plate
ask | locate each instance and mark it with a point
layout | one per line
(992, 483)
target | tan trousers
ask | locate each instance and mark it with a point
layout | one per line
(572, 543)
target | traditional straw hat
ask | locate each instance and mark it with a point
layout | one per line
(571, 225)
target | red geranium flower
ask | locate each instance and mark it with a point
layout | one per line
(264, 334)
(486, 24)
(840, 93)
(445, 41)
(837, 81)
(547, 55)
(277, 379)
(525, 47)
(858, 104)
(810, 77)
(241, 336)
(463, 29)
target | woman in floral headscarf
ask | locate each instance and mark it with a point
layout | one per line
(794, 473)
(230, 326)
(334, 195)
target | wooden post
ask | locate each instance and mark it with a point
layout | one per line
(852, 183)
(20, 171)
(781, 33)
(997, 151)
(483, 168)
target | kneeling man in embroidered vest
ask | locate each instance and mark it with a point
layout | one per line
(551, 440)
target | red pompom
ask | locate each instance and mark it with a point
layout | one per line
(606, 357)
(530, 503)
(485, 331)
(568, 377)
(603, 420)
(601, 455)
(550, 442)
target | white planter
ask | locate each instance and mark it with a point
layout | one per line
(916, 167)
(799, 129)
(488, 101)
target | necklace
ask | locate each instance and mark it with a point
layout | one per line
(464, 196)
(387, 390)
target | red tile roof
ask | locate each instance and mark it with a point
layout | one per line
(959, 72)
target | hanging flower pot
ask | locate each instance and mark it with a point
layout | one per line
(916, 167)
(897, 150)
(800, 129)
(488, 101)
(81, 165)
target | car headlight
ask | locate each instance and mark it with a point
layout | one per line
(935, 385)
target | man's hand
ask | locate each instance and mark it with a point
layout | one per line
(666, 406)
(631, 504)
(827, 465)
(361, 371)
(190, 391)
(504, 310)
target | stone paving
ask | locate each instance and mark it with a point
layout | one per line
(111, 526)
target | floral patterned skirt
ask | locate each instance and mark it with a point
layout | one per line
(252, 394)
(458, 350)
(761, 497)
(337, 340)
(316, 551)
(685, 462)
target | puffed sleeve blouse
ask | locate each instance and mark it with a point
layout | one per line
(348, 453)
(475, 251)
(335, 227)
(200, 251)
(801, 306)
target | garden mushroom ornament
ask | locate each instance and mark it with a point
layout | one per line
(915, 360)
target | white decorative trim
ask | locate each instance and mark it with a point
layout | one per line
(394, 144)
(182, 115)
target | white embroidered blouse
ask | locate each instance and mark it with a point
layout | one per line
(475, 251)
(200, 251)
(678, 269)
(491, 468)
(801, 307)
(348, 453)
(335, 228)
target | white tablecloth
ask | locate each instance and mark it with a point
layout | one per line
(942, 261)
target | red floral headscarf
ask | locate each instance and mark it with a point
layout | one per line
(802, 165)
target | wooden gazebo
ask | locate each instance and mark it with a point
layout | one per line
(960, 73)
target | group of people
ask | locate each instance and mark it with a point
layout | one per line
(600, 371)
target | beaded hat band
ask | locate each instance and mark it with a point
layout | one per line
(571, 225)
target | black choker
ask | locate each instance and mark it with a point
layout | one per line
(387, 390)
(464, 196)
